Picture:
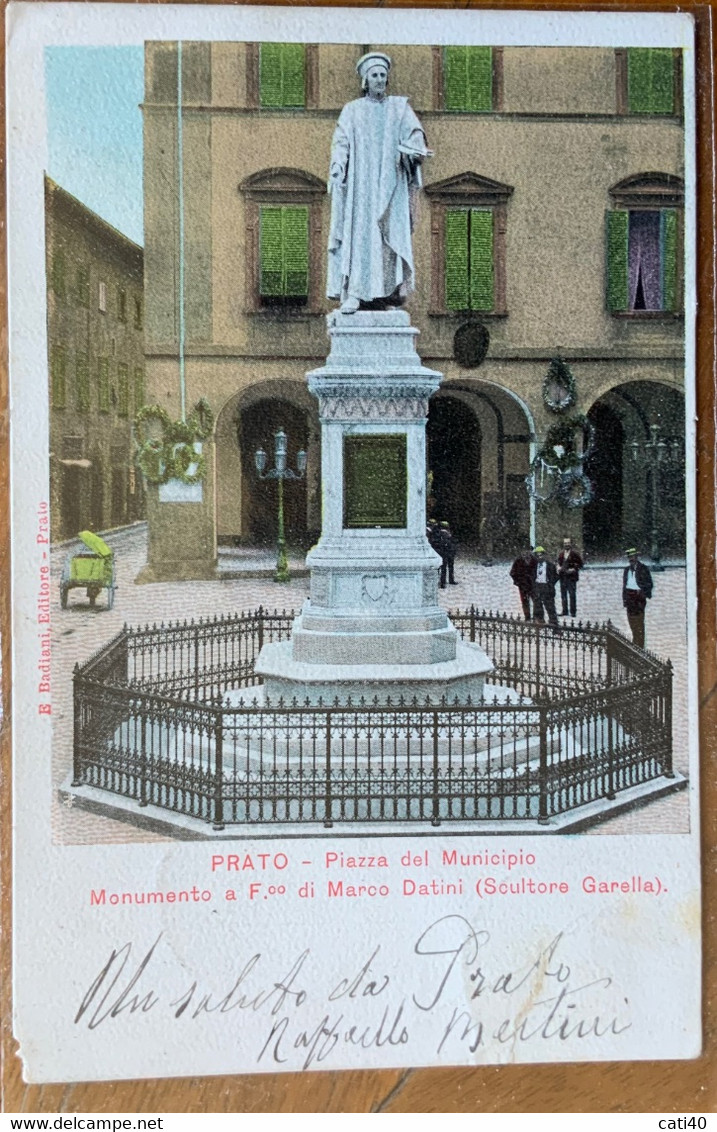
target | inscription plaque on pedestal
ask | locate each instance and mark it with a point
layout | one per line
(375, 481)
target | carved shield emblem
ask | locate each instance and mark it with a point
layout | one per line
(375, 586)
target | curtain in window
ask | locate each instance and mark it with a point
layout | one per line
(644, 262)
(643, 251)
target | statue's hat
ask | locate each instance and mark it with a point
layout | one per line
(370, 59)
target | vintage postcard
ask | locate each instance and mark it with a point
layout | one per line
(352, 364)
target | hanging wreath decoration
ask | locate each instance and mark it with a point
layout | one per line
(575, 489)
(544, 479)
(152, 461)
(172, 454)
(557, 470)
(559, 446)
(148, 415)
(559, 392)
(188, 465)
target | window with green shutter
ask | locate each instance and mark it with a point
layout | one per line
(651, 80)
(103, 384)
(83, 287)
(58, 376)
(469, 265)
(468, 79)
(138, 388)
(284, 254)
(642, 247)
(121, 304)
(82, 383)
(123, 389)
(282, 75)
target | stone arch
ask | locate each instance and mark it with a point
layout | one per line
(622, 508)
(247, 420)
(489, 501)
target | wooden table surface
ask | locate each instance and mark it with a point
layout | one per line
(680, 1087)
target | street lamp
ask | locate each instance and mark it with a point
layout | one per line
(652, 455)
(280, 472)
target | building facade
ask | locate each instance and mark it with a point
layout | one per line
(95, 334)
(548, 240)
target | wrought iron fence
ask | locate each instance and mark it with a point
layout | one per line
(171, 715)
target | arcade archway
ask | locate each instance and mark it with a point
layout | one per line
(246, 505)
(621, 510)
(478, 455)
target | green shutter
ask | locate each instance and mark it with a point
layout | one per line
(138, 388)
(282, 79)
(123, 389)
(455, 78)
(295, 246)
(617, 233)
(480, 79)
(103, 384)
(456, 234)
(481, 259)
(270, 253)
(58, 369)
(292, 74)
(270, 74)
(651, 80)
(668, 243)
(82, 383)
(468, 79)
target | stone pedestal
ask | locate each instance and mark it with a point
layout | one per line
(372, 625)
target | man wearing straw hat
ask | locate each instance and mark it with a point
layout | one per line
(636, 592)
(376, 157)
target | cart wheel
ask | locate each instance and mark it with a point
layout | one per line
(92, 595)
(64, 590)
(110, 596)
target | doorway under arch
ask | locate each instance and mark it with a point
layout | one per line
(478, 455)
(256, 429)
(622, 509)
(453, 436)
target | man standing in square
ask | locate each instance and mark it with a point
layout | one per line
(636, 592)
(569, 566)
(544, 579)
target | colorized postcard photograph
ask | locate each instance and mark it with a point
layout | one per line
(352, 375)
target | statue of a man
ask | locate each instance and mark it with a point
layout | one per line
(376, 156)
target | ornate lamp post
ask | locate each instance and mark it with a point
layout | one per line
(652, 455)
(280, 472)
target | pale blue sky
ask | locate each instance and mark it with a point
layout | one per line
(94, 129)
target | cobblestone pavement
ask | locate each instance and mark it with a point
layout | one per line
(78, 631)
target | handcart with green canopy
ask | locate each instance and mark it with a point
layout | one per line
(92, 570)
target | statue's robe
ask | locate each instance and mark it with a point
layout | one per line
(370, 253)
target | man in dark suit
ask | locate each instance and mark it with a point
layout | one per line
(636, 592)
(446, 547)
(569, 566)
(522, 572)
(544, 578)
